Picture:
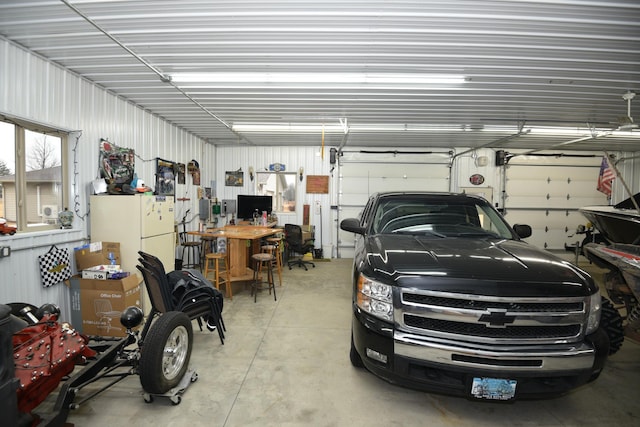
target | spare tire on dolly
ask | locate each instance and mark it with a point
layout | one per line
(165, 355)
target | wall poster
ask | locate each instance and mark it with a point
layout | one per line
(117, 164)
(165, 177)
(318, 184)
(234, 178)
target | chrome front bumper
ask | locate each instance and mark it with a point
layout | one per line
(544, 359)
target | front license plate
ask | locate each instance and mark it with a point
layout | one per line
(493, 388)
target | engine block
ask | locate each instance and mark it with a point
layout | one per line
(44, 353)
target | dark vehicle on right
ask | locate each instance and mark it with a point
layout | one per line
(447, 297)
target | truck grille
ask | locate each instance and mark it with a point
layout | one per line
(471, 304)
(480, 330)
(489, 319)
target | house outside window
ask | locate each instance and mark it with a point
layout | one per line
(281, 186)
(31, 176)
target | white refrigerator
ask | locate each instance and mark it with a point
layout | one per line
(139, 223)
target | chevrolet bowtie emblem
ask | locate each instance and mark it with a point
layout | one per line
(496, 318)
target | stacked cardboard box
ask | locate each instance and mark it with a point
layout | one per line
(97, 253)
(98, 303)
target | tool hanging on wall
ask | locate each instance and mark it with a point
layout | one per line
(318, 252)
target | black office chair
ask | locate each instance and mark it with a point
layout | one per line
(297, 245)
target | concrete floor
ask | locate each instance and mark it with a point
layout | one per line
(286, 363)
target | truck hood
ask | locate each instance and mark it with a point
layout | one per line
(413, 261)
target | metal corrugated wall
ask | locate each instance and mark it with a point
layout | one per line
(38, 91)
(232, 158)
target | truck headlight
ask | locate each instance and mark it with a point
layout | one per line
(375, 298)
(593, 319)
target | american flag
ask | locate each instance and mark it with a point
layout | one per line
(605, 178)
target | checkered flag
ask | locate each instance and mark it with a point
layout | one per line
(54, 266)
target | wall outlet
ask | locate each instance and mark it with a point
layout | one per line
(5, 251)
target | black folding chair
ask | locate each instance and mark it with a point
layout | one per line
(197, 302)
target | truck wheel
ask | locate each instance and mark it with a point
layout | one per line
(164, 358)
(611, 321)
(355, 358)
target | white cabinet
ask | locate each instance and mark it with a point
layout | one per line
(139, 223)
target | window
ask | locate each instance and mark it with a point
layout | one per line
(438, 216)
(281, 186)
(32, 178)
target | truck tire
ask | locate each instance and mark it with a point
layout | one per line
(611, 321)
(164, 358)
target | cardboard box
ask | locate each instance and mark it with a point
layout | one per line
(308, 232)
(101, 304)
(97, 253)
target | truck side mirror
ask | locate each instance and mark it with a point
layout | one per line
(352, 225)
(522, 230)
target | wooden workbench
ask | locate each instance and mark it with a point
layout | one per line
(242, 241)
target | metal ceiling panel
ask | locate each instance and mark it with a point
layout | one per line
(525, 64)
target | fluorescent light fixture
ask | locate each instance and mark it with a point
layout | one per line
(320, 78)
(626, 133)
(405, 128)
(315, 128)
(286, 128)
(568, 131)
(382, 127)
(511, 129)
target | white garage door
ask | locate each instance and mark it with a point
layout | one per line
(546, 192)
(362, 173)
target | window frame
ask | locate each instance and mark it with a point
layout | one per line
(21, 181)
(277, 205)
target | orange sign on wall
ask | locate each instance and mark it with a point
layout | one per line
(318, 184)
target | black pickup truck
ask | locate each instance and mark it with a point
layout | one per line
(448, 298)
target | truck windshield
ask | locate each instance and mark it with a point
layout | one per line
(439, 217)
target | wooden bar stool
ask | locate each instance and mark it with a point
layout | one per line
(218, 264)
(277, 253)
(262, 262)
(190, 251)
(207, 245)
(190, 248)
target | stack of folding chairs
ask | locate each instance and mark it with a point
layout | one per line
(181, 290)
